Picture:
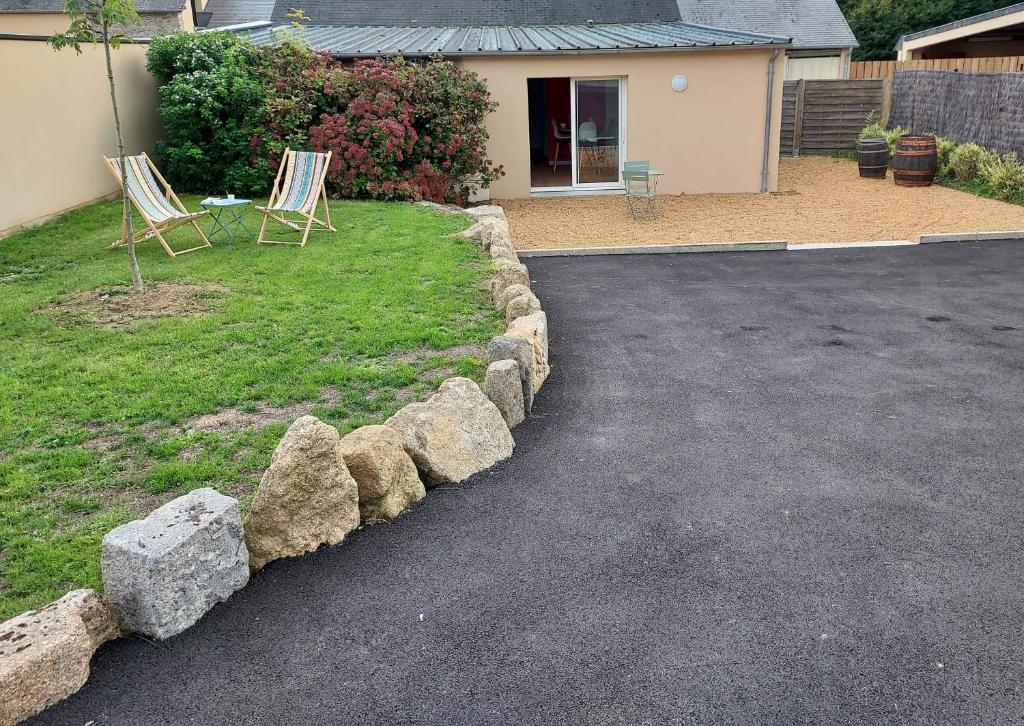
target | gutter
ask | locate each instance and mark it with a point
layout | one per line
(768, 121)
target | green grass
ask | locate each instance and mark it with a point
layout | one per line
(94, 422)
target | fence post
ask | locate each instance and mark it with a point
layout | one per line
(886, 99)
(798, 117)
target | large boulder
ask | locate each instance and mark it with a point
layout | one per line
(487, 231)
(162, 573)
(506, 275)
(455, 434)
(521, 306)
(520, 350)
(502, 249)
(386, 475)
(307, 497)
(533, 328)
(507, 295)
(45, 653)
(504, 386)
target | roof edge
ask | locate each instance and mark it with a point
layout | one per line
(962, 23)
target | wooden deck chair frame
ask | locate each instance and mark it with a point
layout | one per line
(306, 221)
(154, 228)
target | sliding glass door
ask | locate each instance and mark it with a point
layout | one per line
(598, 140)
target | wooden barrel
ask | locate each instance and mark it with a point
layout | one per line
(873, 158)
(915, 161)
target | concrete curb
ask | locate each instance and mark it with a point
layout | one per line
(843, 245)
(970, 236)
(755, 246)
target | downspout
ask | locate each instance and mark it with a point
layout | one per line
(768, 121)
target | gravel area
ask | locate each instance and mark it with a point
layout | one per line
(820, 200)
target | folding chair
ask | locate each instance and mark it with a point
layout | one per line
(162, 211)
(641, 191)
(300, 192)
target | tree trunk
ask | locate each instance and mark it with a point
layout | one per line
(126, 205)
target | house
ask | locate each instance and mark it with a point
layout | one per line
(581, 86)
(989, 35)
(45, 17)
(822, 39)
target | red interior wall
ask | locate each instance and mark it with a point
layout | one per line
(558, 109)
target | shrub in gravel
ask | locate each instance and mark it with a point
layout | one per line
(965, 161)
(1004, 176)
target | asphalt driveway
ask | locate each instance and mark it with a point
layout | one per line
(762, 488)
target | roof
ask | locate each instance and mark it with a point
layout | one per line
(57, 6)
(956, 24)
(372, 41)
(810, 23)
(479, 12)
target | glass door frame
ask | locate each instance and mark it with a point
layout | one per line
(575, 185)
(575, 127)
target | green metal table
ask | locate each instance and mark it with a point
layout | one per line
(233, 224)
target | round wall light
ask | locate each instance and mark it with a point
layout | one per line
(679, 83)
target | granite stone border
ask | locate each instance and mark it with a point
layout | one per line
(163, 572)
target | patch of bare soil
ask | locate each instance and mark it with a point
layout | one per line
(820, 199)
(117, 307)
(234, 420)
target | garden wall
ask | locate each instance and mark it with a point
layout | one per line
(826, 116)
(56, 123)
(984, 108)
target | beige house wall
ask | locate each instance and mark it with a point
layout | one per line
(56, 123)
(709, 138)
(50, 23)
(915, 49)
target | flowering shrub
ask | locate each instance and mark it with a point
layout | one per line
(409, 131)
(398, 130)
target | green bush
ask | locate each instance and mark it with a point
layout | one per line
(876, 130)
(211, 104)
(1003, 175)
(944, 146)
(965, 161)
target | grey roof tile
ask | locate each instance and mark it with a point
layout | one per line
(810, 23)
(370, 41)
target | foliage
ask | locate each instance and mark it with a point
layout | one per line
(211, 107)
(398, 130)
(410, 131)
(185, 53)
(966, 160)
(878, 24)
(877, 130)
(300, 86)
(1004, 176)
(944, 146)
(362, 322)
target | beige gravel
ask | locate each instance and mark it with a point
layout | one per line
(820, 200)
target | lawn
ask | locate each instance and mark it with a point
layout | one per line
(102, 420)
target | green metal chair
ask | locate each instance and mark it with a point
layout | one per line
(641, 189)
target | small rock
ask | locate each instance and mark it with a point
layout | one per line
(533, 328)
(508, 274)
(521, 306)
(455, 434)
(307, 497)
(505, 347)
(504, 386)
(45, 653)
(487, 210)
(386, 475)
(508, 294)
(162, 573)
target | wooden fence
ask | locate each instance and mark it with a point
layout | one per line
(985, 108)
(888, 69)
(823, 117)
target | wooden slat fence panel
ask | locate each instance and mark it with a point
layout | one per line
(823, 117)
(981, 107)
(888, 69)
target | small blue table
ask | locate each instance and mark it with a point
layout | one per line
(234, 223)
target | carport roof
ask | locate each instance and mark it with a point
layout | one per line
(373, 41)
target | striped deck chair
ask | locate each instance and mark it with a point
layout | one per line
(298, 190)
(160, 209)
